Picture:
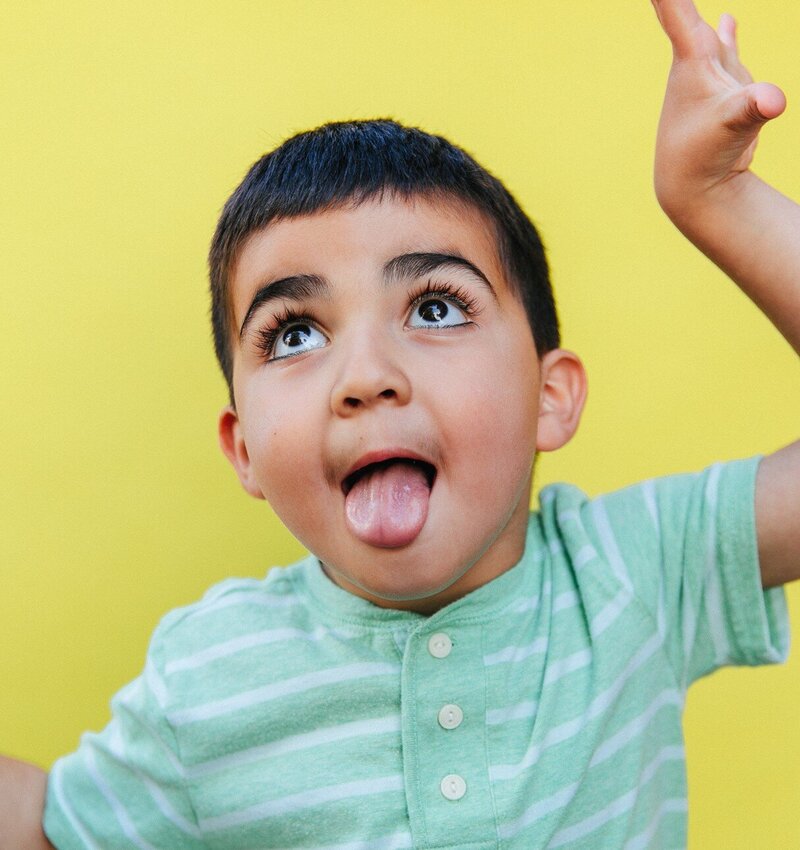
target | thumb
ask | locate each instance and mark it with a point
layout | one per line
(755, 105)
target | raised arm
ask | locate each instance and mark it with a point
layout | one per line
(712, 115)
(22, 790)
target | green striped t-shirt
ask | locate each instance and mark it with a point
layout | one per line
(541, 710)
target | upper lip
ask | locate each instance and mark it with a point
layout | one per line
(382, 456)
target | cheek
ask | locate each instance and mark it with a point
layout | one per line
(280, 441)
(496, 428)
(500, 409)
(288, 473)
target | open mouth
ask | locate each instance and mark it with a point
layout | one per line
(427, 469)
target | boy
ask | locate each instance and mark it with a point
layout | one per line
(444, 672)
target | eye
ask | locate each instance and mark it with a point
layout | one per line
(437, 312)
(297, 338)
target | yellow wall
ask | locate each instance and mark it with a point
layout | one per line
(126, 125)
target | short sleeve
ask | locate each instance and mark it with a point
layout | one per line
(687, 546)
(124, 787)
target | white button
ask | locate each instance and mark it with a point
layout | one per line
(450, 716)
(440, 645)
(453, 787)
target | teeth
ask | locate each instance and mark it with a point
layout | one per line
(355, 477)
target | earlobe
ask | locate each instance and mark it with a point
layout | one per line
(561, 399)
(231, 441)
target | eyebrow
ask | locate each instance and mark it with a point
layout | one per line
(292, 288)
(413, 265)
(419, 263)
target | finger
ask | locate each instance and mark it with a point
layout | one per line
(770, 101)
(755, 105)
(680, 21)
(727, 32)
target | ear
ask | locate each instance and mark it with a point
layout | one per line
(561, 399)
(231, 441)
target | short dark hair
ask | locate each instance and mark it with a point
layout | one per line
(354, 161)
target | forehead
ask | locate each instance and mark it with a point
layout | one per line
(359, 239)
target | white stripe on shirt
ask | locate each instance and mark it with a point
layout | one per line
(496, 716)
(296, 685)
(295, 743)
(570, 728)
(674, 805)
(120, 812)
(249, 641)
(54, 784)
(635, 727)
(609, 541)
(304, 800)
(619, 806)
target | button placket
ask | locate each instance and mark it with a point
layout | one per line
(444, 737)
(450, 716)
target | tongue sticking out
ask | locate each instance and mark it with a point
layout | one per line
(388, 505)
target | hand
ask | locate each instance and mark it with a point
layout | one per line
(712, 111)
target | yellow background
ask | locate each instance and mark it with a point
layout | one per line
(124, 128)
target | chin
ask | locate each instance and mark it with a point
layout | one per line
(393, 588)
(407, 593)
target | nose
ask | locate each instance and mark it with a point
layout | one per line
(370, 374)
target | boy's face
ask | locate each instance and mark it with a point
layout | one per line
(388, 396)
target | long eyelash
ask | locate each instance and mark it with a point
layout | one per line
(459, 295)
(266, 337)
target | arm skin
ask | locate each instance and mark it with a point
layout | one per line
(22, 790)
(709, 126)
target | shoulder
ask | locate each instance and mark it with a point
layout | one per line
(657, 535)
(230, 610)
(666, 505)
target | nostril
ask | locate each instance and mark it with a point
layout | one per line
(351, 403)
